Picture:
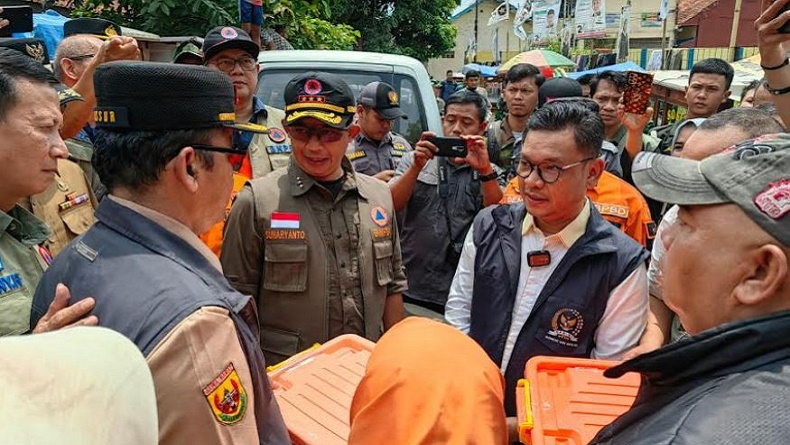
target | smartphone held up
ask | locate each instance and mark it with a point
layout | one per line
(636, 96)
(20, 19)
(450, 147)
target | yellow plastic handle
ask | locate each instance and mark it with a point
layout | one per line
(293, 359)
(525, 426)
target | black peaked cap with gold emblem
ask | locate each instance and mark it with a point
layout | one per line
(36, 49)
(103, 29)
(322, 96)
(148, 96)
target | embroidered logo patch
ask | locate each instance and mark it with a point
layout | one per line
(393, 97)
(276, 135)
(226, 396)
(379, 216)
(775, 200)
(566, 324)
(313, 87)
(228, 33)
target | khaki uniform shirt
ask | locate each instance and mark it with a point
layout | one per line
(22, 263)
(501, 141)
(81, 153)
(319, 267)
(191, 358)
(66, 206)
(370, 157)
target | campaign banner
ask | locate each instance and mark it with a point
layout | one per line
(523, 14)
(652, 20)
(500, 13)
(590, 18)
(612, 20)
(623, 36)
(545, 14)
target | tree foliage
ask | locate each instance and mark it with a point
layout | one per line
(308, 21)
(417, 28)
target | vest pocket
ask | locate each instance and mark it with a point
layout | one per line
(285, 266)
(382, 251)
(78, 219)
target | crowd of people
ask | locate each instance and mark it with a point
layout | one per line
(212, 235)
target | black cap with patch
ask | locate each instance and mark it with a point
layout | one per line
(148, 96)
(228, 37)
(382, 97)
(321, 96)
(36, 49)
(103, 29)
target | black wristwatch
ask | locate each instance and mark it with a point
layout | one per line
(489, 177)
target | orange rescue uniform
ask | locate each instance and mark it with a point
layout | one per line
(616, 200)
(213, 238)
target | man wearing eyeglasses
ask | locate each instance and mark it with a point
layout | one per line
(316, 244)
(231, 50)
(550, 276)
(163, 148)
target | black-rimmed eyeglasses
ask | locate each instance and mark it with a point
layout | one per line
(548, 173)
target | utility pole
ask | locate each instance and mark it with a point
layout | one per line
(476, 13)
(736, 19)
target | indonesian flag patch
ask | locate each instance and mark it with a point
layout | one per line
(285, 220)
(226, 396)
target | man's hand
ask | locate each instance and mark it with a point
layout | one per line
(425, 150)
(3, 22)
(477, 155)
(118, 48)
(385, 175)
(60, 315)
(770, 40)
(634, 123)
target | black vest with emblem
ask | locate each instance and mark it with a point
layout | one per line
(125, 249)
(570, 305)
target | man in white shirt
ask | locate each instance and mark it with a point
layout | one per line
(551, 276)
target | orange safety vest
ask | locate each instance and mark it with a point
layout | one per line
(617, 201)
(213, 238)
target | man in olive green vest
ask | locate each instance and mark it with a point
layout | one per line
(315, 243)
(30, 148)
(232, 51)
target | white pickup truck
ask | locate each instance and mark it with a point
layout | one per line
(407, 75)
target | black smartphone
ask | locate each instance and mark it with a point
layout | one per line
(20, 19)
(450, 147)
(784, 29)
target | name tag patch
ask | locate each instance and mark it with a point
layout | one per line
(382, 233)
(278, 149)
(566, 324)
(275, 235)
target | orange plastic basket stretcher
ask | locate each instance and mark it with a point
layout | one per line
(566, 401)
(314, 389)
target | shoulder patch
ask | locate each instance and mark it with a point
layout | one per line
(651, 229)
(356, 155)
(226, 396)
(606, 209)
(276, 149)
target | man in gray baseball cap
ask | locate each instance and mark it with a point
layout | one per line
(726, 276)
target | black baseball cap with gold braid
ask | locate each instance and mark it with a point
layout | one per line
(148, 96)
(103, 29)
(321, 96)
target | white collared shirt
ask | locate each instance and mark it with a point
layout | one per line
(620, 326)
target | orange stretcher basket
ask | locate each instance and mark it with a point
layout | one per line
(314, 389)
(566, 401)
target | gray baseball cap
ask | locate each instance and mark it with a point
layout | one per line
(754, 175)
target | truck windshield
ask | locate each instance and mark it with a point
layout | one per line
(271, 84)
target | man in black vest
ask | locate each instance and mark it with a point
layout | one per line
(164, 151)
(551, 276)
